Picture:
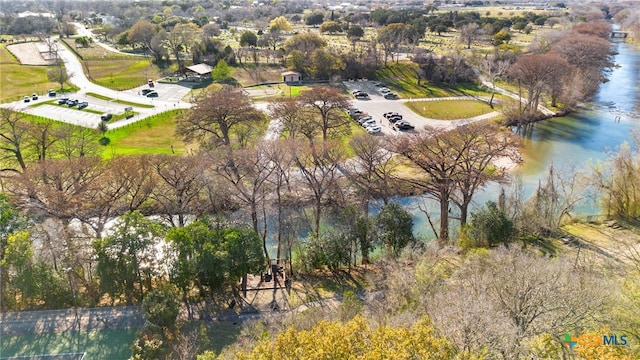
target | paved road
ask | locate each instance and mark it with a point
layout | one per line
(78, 319)
(377, 105)
(170, 97)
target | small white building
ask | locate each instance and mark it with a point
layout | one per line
(291, 77)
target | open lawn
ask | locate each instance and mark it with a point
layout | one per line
(450, 109)
(155, 135)
(401, 79)
(123, 102)
(17, 81)
(102, 344)
(113, 70)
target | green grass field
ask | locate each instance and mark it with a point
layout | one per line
(103, 344)
(450, 109)
(113, 70)
(401, 79)
(123, 102)
(17, 81)
(155, 135)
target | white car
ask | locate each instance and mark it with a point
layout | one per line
(369, 123)
(385, 90)
(373, 129)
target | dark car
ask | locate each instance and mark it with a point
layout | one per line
(152, 94)
(361, 95)
(390, 96)
(63, 100)
(52, 93)
(106, 117)
(34, 96)
(146, 91)
(403, 125)
(83, 105)
(72, 102)
(394, 119)
(27, 99)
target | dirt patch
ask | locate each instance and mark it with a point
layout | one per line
(610, 243)
(31, 53)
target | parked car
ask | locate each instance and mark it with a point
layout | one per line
(355, 112)
(63, 100)
(72, 102)
(403, 125)
(52, 93)
(355, 92)
(146, 91)
(369, 122)
(385, 90)
(150, 83)
(391, 96)
(152, 94)
(34, 96)
(390, 114)
(394, 119)
(361, 95)
(83, 105)
(364, 118)
(27, 99)
(373, 129)
(106, 117)
(378, 83)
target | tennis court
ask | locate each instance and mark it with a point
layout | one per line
(111, 344)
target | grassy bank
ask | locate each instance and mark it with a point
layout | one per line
(154, 135)
(450, 109)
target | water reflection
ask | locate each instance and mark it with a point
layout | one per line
(575, 141)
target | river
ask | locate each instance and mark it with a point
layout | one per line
(579, 140)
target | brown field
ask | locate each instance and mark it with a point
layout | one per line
(28, 54)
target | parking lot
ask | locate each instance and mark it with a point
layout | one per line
(170, 96)
(377, 105)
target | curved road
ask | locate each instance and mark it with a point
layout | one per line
(170, 98)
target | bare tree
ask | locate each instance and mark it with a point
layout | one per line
(372, 170)
(501, 301)
(180, 39)
(247, 171)
(215, 116)
(280, 158)
(142, 33)
(58, 73)
(42, 138)
(329, 104)
(619, 183)
(290, 113)
(494, 68)
(454, 162)
(179, 187)
(469, 33)
(76, 141)
(318, 165)
(537, 73)
(13, 135)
